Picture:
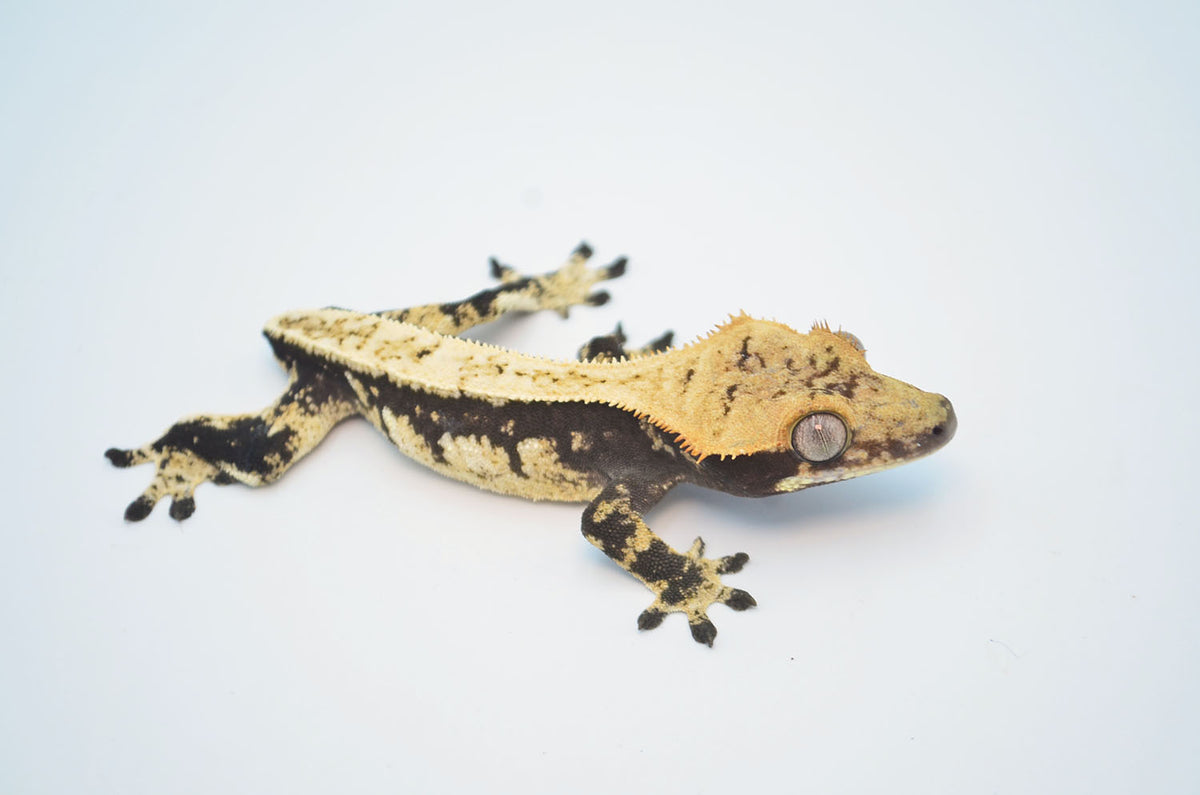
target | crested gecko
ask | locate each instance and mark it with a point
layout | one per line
(754, 408)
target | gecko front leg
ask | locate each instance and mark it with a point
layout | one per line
(611, 347)
(685, 583)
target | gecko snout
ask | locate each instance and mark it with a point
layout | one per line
(943, 432)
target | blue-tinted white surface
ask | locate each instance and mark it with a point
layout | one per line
(1000, 202)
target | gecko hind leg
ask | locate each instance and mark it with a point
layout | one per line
(687, 583)
(571, 285)
(254, 449)
(611, 347)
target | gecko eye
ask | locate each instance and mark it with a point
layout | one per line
(819, 437)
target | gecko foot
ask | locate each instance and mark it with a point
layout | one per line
(571, 285)
(178, 474)
(695, 589)
(611, 347)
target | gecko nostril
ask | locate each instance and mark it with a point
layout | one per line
(944, 430)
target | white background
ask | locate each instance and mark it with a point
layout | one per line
(1002, 203)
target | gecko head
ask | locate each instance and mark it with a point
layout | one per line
(840, 440)
(816, 412)
(856, 421)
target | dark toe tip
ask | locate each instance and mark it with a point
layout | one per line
(583, 250)
(598, 298)
(740, 600)
(734, 563)
(649, 619)
(119, 458)
(139, 509)
(704, 631)
(182, 508)
(496, 268)
(617, 267)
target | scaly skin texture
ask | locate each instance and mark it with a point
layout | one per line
(755, 408)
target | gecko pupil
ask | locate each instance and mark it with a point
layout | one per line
(819, 437)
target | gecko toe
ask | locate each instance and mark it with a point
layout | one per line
(121, 458)
(500, 271)
(598, 298)
(616, 268)
(703, 631)
(650, 618)
(661, 342)
(732, 563)
(739, 600)
(139, 509)
(182, 508)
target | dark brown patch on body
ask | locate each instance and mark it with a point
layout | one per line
(660, 562)
(727, 404)
(745, 475)
(745, 357)
(253, 444)
(896, 449)
(483, 303)
(825, 372)
(846, 388)
(622, 450)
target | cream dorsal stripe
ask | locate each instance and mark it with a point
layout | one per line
(734, 392)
